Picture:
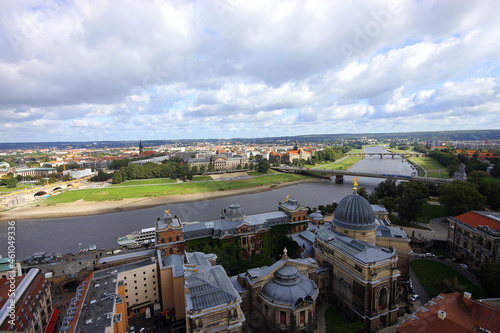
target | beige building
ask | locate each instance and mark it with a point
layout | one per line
(474, 237)
(368, 278)
(220, 162)
(212, 302)
(281, 297)
(141, 285)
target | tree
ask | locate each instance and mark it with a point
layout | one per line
(489, 274)
(410, 199)
(211, 168)
(460, 197)
(11, 182)
(387, 188)
(203, 169)
(117, 178)
(263, 166)
(363, 192)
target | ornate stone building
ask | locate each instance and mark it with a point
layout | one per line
(474, 237)
(366, 279)
(281, 297)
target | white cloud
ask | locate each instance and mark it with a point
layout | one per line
(115, 69)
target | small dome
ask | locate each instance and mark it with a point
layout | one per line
(234, 213)
(316, 216)
(354, 212)
(288, 285)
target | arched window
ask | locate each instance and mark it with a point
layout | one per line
(382, 298)
(170, 251)
(163, 252)
(177, 238)
(163, 240)
(178, 249)
(169, 239)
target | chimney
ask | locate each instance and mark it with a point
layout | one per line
(467, 294)
(441, 314)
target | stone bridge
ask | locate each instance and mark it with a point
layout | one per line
(28, 195)
(402, 155)
(339, 175)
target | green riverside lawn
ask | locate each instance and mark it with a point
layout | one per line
(438, 278)
(342, 164)
(431, 166)
(118, 193)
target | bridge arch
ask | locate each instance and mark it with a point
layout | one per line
(69, 185)
(58, 188)
(40, 194)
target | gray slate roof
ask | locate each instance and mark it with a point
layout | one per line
(362, 251)
(209, 287)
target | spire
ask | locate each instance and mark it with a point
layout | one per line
(140, 147)
(285, 255)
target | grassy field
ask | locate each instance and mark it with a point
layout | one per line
(153, 181)
(430, 212)
(344, 164)
(201, 178)
(431, 166)
(336, 323)
(118, 193)
(7, 190)
(438, 278)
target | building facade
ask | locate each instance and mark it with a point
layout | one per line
(366, 279)
(31, 300)
(474, 237)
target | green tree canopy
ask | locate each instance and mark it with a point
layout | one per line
(410, 199)
(460, 197)
(489, 274)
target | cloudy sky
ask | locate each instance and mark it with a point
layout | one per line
(123, 70)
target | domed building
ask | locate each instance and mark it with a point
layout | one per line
(368, 280)
(281, 297)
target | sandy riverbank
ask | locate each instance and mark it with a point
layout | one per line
(83, 208)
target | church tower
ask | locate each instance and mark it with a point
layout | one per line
(141, 148)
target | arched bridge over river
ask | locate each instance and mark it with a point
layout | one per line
(339, 175)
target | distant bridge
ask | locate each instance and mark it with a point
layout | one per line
(339, 175)
(30, 194)
(402, 155)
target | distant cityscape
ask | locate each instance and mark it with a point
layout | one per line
(278, 270)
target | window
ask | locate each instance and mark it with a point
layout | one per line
(154, 288)
(135, 275)
(170, 251)
(282, 318)
(136, 294)
(126, 290)
(136, 288)
(169, 239)
(302, 318)
(144, 279)
(144, 272)
(177, 238)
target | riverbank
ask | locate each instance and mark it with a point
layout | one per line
(84, 208)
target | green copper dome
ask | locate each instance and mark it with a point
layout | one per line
(354, 212)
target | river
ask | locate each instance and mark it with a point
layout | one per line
(61, 235)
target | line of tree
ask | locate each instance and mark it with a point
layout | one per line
(173, 168)
(327, 154)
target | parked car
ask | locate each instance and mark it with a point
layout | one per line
(421, 255)
(464, 266)
(429, 255)
(414, 297)
(441, 257)
(131, 329)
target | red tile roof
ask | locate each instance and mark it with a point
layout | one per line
(462, 315)
(475, 219)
